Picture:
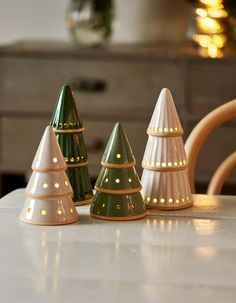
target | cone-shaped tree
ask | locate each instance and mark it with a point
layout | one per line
(68, 128)
(164, 181)
(49, 192)
(118, 187)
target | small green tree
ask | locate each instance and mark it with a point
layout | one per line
(68, 128)
(118, 187)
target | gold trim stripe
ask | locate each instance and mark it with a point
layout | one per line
(83, 202)
(122, 165)
(118, 191)
(78, 164)
(76, 130)
(128, 218)
(68, 194)
(164, 169)
(48, 170)
(165, 134)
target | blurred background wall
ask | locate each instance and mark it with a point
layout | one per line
(32, 19)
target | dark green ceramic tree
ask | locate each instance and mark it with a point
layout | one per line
(118, 187)
(68, 128)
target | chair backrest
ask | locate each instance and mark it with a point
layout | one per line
(199, 135)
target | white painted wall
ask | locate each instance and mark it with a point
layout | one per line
(32, 19)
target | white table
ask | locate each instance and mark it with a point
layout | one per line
(179, 256)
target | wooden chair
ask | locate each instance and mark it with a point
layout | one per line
(198, 136)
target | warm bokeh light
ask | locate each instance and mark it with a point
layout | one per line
(210, 35)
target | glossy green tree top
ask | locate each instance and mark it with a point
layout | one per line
(118, 150)
(66, 116)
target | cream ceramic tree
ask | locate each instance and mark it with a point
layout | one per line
(164, 180)
(49, 192)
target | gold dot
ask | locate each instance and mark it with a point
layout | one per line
(133, 206)
(59, 211)
(78, 158)
(158, 163)
(118, 206)
(169, 164)
(175, 164)
(60, 124)
(118, 156)
(71, 124)
(66, 183)
(171, 130)
(71, 210)
(170, 200)
(184, 162)
(43, 212)
(57, 185)
(183, 200)
(180, 163)
(130, 180)
(72, 159)
(176, 129)
(117, 180)
(45, 185)
(54, 160)
(177, 201)
(187, 198)
(82, 157)
(162, 200)
(65, 124)
(163, 164)
(106, 180)
(66, 159)
(165, 129)
(155, 200)
(152, 162)
(103, 205)
(148, 199)
(160, 129)
(29, 210)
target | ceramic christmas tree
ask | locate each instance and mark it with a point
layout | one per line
(164, 181)
(68, 128)
(118, 187)
(49, 192)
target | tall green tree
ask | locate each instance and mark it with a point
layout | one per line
(69, 128)
(118, 187)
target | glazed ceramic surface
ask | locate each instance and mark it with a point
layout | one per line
(168, 257)
(49, 191)
(118, 186)
(68, 128)
(165, 183)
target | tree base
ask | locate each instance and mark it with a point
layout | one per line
(83, 202)
(130, 218)
(49, 223)
(169, 208)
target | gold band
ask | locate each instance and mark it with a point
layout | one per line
(165, 134)
(78, 164)
(123, 165)
(48, 170)
(69, 194)
(83, 202)
(164, 169)
(128, 218)
(118, 191)
(76, 130)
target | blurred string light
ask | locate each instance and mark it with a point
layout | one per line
(211, 30)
